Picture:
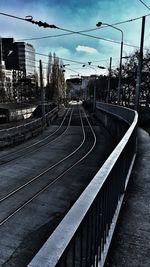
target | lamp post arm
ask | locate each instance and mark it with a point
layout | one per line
(115, 28)
(121, 51)
(118, 30)
(120, 64)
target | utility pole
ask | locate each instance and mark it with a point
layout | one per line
(120, 72)
(42, 96)
(139, 70)
(109, 77)
(94, 95)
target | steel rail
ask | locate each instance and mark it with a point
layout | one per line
(58, 177)
(42, 173)
(34, 144)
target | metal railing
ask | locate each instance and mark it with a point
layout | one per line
(83, 237)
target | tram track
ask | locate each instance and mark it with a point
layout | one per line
(23, 189)
(14, 155)
(45, 171)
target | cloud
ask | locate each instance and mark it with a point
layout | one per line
(86, 49)
(76, 16)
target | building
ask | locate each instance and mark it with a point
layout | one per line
(8, 84)
(18, 56)
(26, 58)
(78, 87)
(9, 80)
(13, 111)
(18, 60)
(8, 53)
(84, 86)
(2, 81)
(74, 87)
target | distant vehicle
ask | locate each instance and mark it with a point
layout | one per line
(75, 102)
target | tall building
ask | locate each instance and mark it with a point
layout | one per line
(8, 53)
(18, 56)
(26, 58)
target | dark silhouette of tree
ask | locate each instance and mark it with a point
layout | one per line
(49, 91)
(129, 76)
(56, 85)
(54, 77)
(145, 85)
(101, 85)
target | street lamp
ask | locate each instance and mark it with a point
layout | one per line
(64, 65)
(99, 24)
(101, 67)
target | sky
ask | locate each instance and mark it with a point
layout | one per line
(78, 16)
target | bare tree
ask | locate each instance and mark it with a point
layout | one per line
(56, 85)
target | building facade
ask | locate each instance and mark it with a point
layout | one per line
(26, 58)
(18, 56)
(17, 67)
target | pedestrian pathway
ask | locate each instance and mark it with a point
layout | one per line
(131, 242)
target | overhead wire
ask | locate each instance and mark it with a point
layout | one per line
(12, 16)
(78, 32)
(74, 71)
(70, 32)
(117, 23)
(63, 59)
(144, 4)
(87, 35)
(65, 67)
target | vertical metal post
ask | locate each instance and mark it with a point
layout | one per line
(120, 71)
(42, 96)
(121, 51)
(139, 70)
(109, 77)
(94, 97)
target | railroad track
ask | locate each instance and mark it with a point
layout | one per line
(22, 196)
(22, 152)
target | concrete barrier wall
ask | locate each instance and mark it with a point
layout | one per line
(116, 122)
(119, 112)
(16, 135)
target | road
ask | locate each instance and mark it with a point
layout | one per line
(41, 179)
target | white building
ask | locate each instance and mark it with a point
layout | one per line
(8, 82)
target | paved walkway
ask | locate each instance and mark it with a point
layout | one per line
(131, 243)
